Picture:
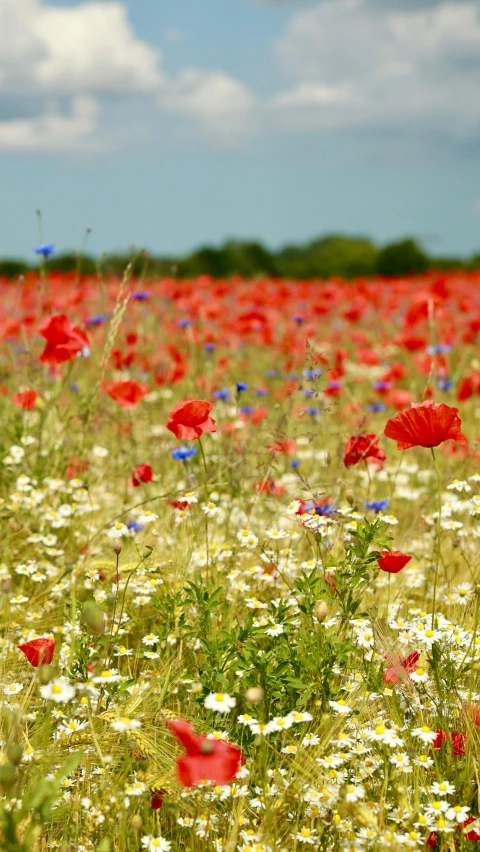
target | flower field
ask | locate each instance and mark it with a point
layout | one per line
(239, 569)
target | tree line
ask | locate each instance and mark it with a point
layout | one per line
(324, 257)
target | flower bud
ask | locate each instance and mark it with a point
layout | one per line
(350, 496)
(147, 551)
(45, 673)
(136, 822)
(7, 776)
(117, 546)
(14, 753)
(320, 611)
(254, 694)
(93, 617)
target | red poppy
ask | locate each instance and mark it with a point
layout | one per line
(142, 473)
(425, 424)
(128, 393)
(473, 834)
(156, 801)
(362, 447)
(64, 340)
(26, 399)
(398, 398)
(431, 840)
(393, 562)
(38, 651)
(205, 759)
(288, 446)
(440, 739)
(190, 418)
(474, 713)
(275, 489)
(459, 740)
(391, 674)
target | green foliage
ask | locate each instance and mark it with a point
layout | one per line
(402, 258)
(333, 255)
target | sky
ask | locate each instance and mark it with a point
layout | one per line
(170, 124)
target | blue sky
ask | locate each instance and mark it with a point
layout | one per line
(167, 125)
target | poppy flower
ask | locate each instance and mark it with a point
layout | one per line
(205, 759)
(156, 801)
(276, 489)
(392, 562)
(458, 740)
(431, 840)
(38, 651)
(362, 447)
(128, 393)
(64, 340)
(473, 834)
(142, 473)
(391, 674)
(425, 424)
(440, 739)
(190, 418)
(26, 399)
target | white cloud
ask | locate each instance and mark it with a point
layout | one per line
(222, 105)
(52, 131)
(70, 50)
(361, 63)
(62, 57)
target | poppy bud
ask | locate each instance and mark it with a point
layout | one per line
(117, 546)
(321, 611)
(14, 753)
(350, 496)
(45, 674)
(147, 551)
(254, 695)
(7, 776)
(136, 822)
(93, 617)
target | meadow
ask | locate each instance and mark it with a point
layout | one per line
(239, 568)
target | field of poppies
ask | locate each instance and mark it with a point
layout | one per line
(239, 570)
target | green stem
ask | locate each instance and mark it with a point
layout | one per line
(437, 543)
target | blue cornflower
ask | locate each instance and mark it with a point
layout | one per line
(293, 377)
(325, 509)
(312, 374)
(135, 526)
(308, 392)
(439, 349)
(223, 393)
(183, 453)
(444, 384)
(142, 295)
(45, 249)
(298, 318)
(381, 385)
(209, 347)
(74, 386)
(241, 386)
(376, 406)
(334, 386)
(262, 392)
(295, 463)
(94, 321)
(247, 409)
(312, 411)
(184, 323)
(376, 505)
